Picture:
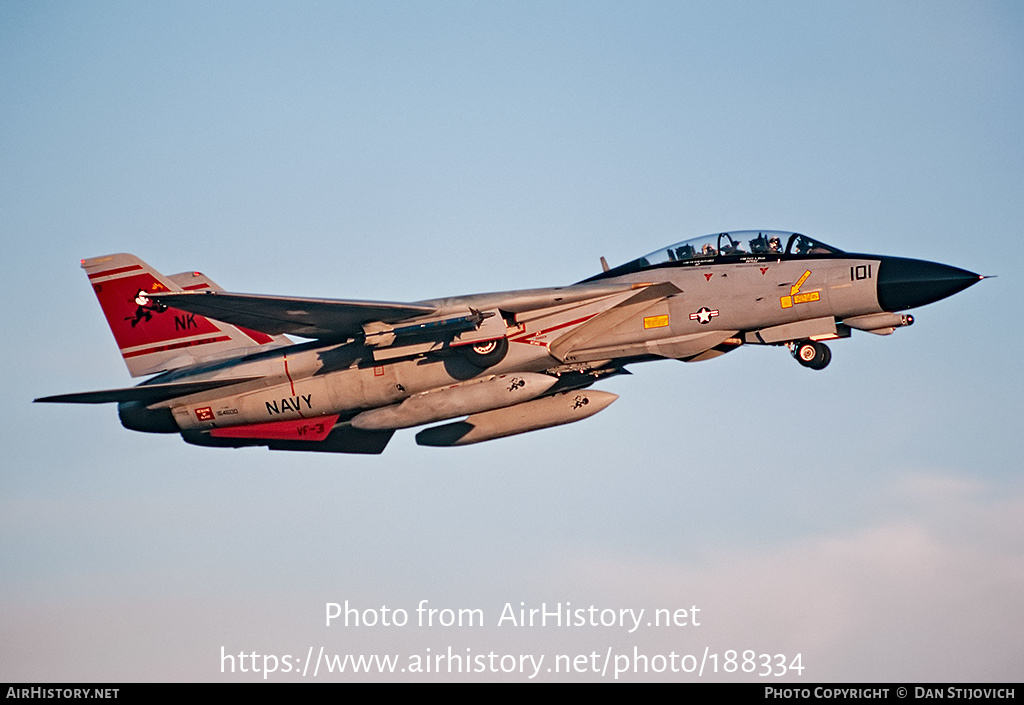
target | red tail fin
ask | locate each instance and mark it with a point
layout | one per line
(154, 338)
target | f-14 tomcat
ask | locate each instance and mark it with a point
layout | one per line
(509, 362)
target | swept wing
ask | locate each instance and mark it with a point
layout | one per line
(340, 318)
(310, 318)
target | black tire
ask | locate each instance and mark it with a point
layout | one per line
(486, 353)
(827, 358)
(812, 354)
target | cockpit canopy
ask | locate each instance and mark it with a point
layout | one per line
(735, 244)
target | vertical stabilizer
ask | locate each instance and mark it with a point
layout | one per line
(153, 338)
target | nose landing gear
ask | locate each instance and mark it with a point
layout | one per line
(811, 353)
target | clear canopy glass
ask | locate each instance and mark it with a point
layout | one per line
(737, 243)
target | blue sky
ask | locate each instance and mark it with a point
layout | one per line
(867, 516)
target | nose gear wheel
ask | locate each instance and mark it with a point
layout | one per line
(812, 354)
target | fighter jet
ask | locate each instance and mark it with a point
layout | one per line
(489, 365)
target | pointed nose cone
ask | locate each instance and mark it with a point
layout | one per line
(909, 283)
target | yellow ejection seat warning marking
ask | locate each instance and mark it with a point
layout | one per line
(795, 289)
(794, 298)
(655, 321)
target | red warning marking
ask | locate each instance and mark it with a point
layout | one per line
(204, 414)
(530, 337)
(763, 270)
(707, 277)
(289, 376)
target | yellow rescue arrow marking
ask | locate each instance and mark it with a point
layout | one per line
(795, 289)
(795, 297)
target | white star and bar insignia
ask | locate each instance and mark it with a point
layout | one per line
(703, 315)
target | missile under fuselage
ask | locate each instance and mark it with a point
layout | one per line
(494, 392)
(880, 323)
(561, 408)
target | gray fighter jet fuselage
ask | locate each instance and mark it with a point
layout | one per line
(509, 362)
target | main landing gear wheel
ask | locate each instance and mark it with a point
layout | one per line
(813, 354)
(487, 353)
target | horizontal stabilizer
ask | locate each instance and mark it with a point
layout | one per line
(310, 318)
(148, 393)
